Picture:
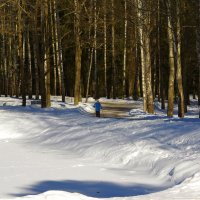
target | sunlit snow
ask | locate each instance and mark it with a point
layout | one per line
(65, 153)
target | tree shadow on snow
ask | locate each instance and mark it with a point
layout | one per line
(90, 188)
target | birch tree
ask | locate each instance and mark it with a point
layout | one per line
(125, 47)
(143, 14)
(141, 42)
(170, 109)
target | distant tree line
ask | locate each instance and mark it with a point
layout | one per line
(101, 48)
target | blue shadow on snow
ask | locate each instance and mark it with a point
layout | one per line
(90, 188)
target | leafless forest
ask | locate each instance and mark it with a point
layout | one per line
(101, 48)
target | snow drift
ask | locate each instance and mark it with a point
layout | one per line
(140, 157)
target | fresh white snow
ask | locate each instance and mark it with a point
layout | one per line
(65, 153)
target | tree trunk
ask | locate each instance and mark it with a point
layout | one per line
(54, 47)
(47, 53)
(4, 57)
(142, 51)
(37, 60)
(45, 64)
(159, 60)
(96, 95)
(89, 75)
(125, 48)
(149, 92)
(21, 52)
(29, 67)
(170, 110)
(78, 53)
(181, 103)
(59, 52)
(137, 66)
(198, 47)
(105, 48)
(4, 66)
(113, 51)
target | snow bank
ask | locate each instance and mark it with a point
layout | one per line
(143, 150)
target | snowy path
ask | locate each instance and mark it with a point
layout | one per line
(117, 110)
(114, 110)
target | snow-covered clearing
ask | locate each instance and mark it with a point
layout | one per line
(63, 153)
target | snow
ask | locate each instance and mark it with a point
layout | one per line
(65, 153)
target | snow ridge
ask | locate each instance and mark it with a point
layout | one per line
(164, 150)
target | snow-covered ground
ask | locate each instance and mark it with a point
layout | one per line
(63, 153)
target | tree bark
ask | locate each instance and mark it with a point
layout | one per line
(89, 74)
(47, 53)
(113, 52)
(198, 47)
(170, 110)
(78, 53)
(105, 48)
(149, 92)
(96, 95)
(59, 52)
(125, 48)
(142, 51)
(37, 60)
(181, 103)
(21, 52)
(29, 65)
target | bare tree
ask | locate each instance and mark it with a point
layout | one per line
(198, 46)
(78, 51)
(21, 50)
(125, 46)
(113, 50)
(174, 39)
(105, 47)
(144, 17)
(171, 39)
(181, 103)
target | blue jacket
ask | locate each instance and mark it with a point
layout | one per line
(97, 106)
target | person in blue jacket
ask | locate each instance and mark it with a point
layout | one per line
(98, 108)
